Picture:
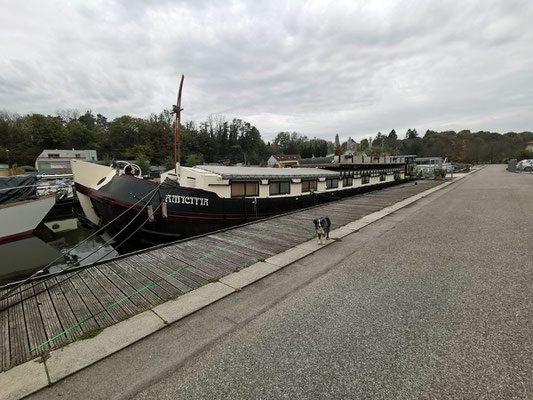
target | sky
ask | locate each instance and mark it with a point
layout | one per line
(319, 68)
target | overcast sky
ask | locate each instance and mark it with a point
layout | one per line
(315, 67)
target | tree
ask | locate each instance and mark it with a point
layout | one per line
(391, 145)
(378, 142)
(338, 151)
(101, 121)
(67, 115)
(126, 132)
(78, 136)
(192, 160)
(282, 140)
(88, 120)
(364, 145)
(47, 132)
(411, 134)
(150, 140)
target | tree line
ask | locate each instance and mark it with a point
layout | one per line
(463, 146)
(146, 140)
(218, 139)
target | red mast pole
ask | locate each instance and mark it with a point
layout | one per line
(177, 110)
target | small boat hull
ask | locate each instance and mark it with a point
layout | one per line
(18, 220)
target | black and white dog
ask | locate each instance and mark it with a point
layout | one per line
(322, 226)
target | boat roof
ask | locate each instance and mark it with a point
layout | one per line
(231, 172)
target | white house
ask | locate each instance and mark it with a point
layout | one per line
(283, 160)
(58, 161)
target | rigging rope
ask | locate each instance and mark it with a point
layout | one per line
(9, 293)
(82, 268)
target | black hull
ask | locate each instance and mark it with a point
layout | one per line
(190, 217)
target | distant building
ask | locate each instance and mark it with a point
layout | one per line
(282, 160)
(4, 170)
(529, 146)
(337, 141)
(58, 161)
(351, 145)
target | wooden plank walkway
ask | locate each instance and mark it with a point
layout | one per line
(41, 310)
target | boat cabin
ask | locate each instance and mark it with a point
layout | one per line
(229, 182)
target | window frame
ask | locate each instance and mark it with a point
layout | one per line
(330, 183)
(245, 183)
(279, 192)
(308, 181)
(347, 178)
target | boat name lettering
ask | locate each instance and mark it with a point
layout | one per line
(193, 201)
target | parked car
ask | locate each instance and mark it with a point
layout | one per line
(525, 165)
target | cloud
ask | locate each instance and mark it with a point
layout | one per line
(318, 68)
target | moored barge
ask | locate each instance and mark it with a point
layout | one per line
(205, 198)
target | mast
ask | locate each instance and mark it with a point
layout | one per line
(176, 109)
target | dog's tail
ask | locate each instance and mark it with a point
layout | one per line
(329, 222)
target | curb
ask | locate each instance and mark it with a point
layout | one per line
(79, 355)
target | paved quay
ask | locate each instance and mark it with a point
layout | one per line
(432, 301)
(47, 314)
(93, 297)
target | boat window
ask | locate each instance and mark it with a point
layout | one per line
(53, 155)
(78, 155)
(280, 188)
(382, 177)
(365, 179)
(307, 186)
(239, 189)
(332, 183)
(348, 181)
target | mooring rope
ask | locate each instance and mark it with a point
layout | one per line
(10, 293)
(169, 275)
(81, 268)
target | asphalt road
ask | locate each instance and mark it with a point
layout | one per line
(434, 301)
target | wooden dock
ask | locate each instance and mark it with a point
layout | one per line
(41, 310)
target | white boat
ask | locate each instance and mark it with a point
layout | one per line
(19, 219)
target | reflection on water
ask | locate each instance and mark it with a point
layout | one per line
(84, 249)
(23, 257)
(53, 240)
